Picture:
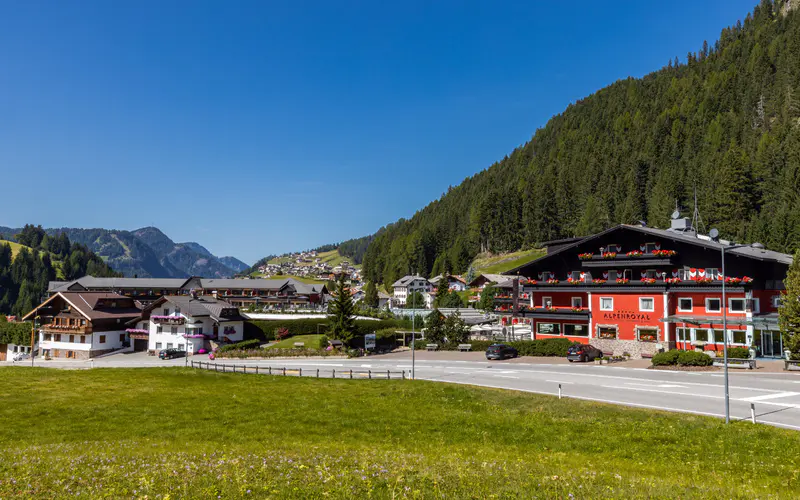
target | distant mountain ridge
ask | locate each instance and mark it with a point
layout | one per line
(148, 252)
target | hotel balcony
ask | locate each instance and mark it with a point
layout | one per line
(168, 320)
(80, 330)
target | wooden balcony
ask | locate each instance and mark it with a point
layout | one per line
(73, 329)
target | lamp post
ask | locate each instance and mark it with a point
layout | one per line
(413, 341)
(33, 335)
(714, 234)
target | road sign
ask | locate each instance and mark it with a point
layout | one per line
(369, 341)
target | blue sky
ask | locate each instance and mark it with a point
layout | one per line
(264, 127)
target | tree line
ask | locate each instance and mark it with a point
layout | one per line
(724, 123)
(24, 278)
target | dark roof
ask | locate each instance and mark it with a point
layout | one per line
(92, 305)
(204, 305)
(690, 238)
(91, 282)
(249, 284)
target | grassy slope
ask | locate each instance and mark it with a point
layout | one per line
(311, 341)
(191, 433)
(333, 258)
(16, 247)
(495, 264)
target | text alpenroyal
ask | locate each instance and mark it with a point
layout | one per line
(626, 315)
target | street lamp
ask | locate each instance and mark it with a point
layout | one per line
(714, 234)
(413, 341)
(33, 335)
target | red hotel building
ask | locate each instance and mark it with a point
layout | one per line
(638, 289)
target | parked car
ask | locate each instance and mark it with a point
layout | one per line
(583, 352)
(20, 356)
(501, 351)
(171, 353)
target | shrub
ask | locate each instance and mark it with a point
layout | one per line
(737, 352)
(540, 347)
(265, 329)
(667, 358)
(15, 333)
(323, 342)
(693, 358)
(245, 344)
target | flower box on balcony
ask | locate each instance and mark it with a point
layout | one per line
(623, 281)
(553, 281)
(572, 281)
(664, 253)
(137, 331)
(732, 281)
(606, 335)
(673, 281)
(610, 255)
(649, 281)
(703, 281)
(585, 256)
(599, 281)
(647, 337)
(577, 309)
(634, 253)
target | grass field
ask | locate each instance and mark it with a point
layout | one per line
(183, 433)
(495, 264)
(311, 341)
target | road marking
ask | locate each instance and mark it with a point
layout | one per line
(504, 376)
(560, 382)
(771, 396)
(659, 385)
(663, 392)
(366, 366)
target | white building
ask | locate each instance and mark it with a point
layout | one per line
(408, 285)
(456, 283)
(81, 325)
(188, 322)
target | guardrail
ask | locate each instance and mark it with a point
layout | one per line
(298, 372)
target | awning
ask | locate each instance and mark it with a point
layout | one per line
(766, 321)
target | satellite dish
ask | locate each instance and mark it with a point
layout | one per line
(714, 234)
(676, 215)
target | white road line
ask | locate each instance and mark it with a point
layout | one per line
(675, 386)
(560, 382)
(505, 376)
(664, 392)
(771, 396)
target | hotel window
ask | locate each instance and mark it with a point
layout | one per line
(180, 347)
(547, 302)
(158, 345)
(712, 273)
(684, 334)
(83, 322)
(72, 338)
(606, 332)
(177, 310)
(647, 334)
(701, 335)
(739, 336)
(576, 330)
(649, 247)
(612, 276)
(548, 328)
(173, 330)
(754, 306)
(776, 301)
(611, 247)
(58, 337)
(683, 274)
(719, 337)
(713, 305)
(736, 305)
(169, 345)
(651, 273)
(83, 339)
(102, 339)
(647, 304)
(575, 275)
(606, 303)
(122, 337)
(166, 311)
(685, 304)
(577, 302)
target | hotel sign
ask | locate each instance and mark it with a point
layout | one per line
(627, 315)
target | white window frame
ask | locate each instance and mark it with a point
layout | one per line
(708, 335)
(655, 328)
(652, 299)
(691, 304)
(744, 305)
(545, 300)
(776, 301)
(158, 345)
(576, 301)
(756, 309)
(711, 310)
(606, 308)
(166, 311)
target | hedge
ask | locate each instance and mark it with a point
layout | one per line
(265, 329)
(277, 353)
(737, 352)
(540, 347)
(15, 333)
(667, 358)
(245, 344)
(682, 358)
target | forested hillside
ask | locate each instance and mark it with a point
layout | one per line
(41, 259)
(724, 120)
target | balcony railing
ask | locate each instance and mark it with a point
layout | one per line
(53, 328)
(168, 320)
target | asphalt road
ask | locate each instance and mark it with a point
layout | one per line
(776, 396)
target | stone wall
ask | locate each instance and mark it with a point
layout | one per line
(633, 347)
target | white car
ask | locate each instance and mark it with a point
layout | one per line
(19, 356)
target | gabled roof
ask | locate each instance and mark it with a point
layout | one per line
(689, 238)
(494, 278)
(201, 306)
(91, 305)
(405, 280)
(249, 284)
(91, 282)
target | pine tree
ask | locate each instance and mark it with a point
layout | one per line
(434, 327)
(342, 318)
(789, 310)
(442, 289)
(371, 295)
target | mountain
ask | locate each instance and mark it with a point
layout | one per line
(724, 122)
(147, 252)
(234, 263)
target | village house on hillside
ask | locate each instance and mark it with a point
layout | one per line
(81, 325)
(408, 285)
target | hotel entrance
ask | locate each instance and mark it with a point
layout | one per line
(769, 342)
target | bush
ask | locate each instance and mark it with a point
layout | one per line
(15, 333)
(738, 352)
(693, 358)
(541, 347)
(667, 358)
(265, 329)
(245, 344)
